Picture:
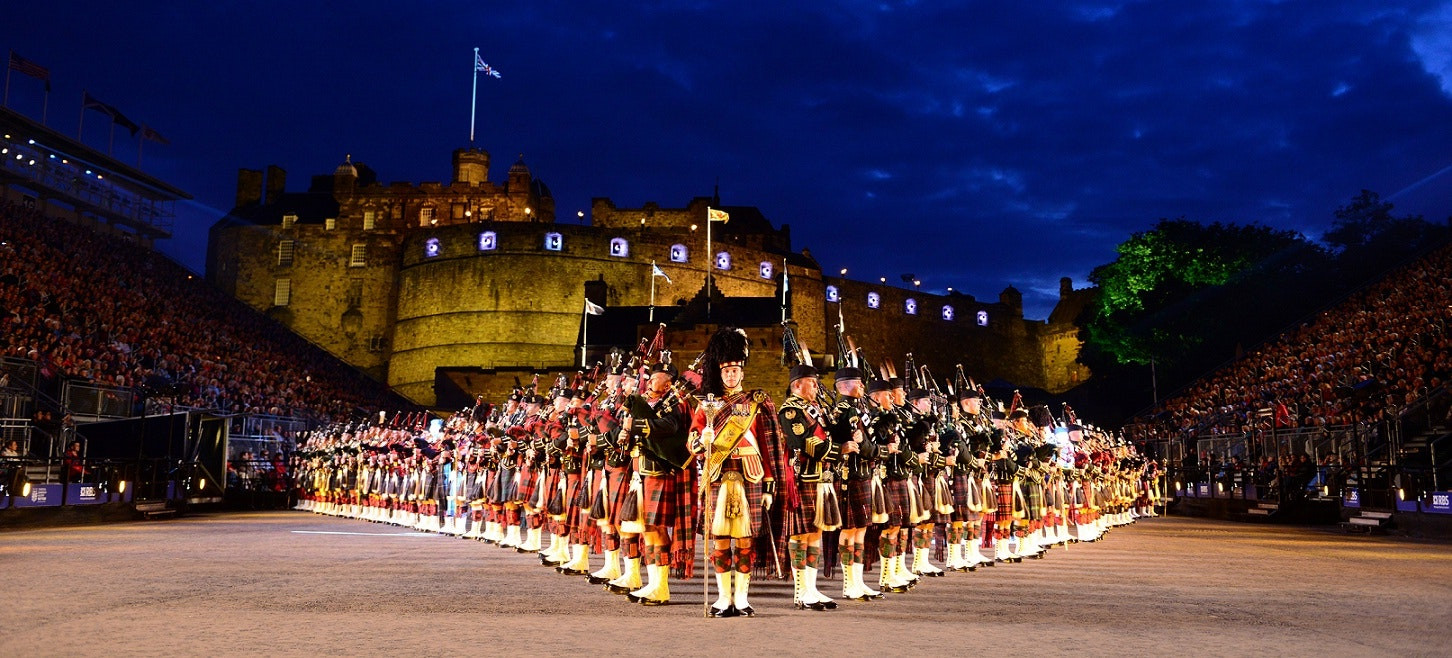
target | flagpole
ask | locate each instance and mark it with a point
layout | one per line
(585, 332)
(474, 99)
(785, 286)
(710, 263)
(652, 291)
(7, 78)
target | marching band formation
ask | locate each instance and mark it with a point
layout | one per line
(635, 461)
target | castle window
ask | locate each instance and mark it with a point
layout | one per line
(766, 269)
(619, 248)
(459, 211)
(431, 247)
(678, 253)
(910, 306)
(554, 241)
(948, 313)
(873, 300)
(282, 292)
(488, 241)
(426, 216)
(370, 219)
(833, 295)
(289, 220)
(983, 318)
(330, 223)
(285, 250)
(723, 261)
(377, 343)
(359, 256)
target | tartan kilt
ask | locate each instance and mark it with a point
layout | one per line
(962, 487)
(898, 506)
(508, 486)
(528, 484)
(754, 490)
(855, 499)
(1005, 502)
(802, 520)
(930, 495)
(572, 490)
(618, 483)
(580, 507)
(659, 495)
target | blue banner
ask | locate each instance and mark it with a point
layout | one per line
(41, 495)
(84, 493)
(1439, 502)
(1202, 490)
(1352, 498)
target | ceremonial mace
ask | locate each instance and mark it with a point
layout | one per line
(709, 407)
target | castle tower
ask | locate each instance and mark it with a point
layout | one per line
(471, 166)
(344, 178)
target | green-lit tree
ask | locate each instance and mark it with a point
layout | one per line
(1186, 288)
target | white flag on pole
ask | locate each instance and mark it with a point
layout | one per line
(655, 270)
(593, 309)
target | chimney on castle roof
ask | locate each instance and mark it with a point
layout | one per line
(276, 183)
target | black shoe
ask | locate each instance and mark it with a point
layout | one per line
(632, 598)
(828, 605)
(729, 611)
(748, 611)
(596, 580)
(653, 602)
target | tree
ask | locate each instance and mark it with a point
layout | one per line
(1184, 288)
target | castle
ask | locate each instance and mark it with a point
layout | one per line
(449, 290)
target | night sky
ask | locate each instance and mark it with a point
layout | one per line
(975, 145)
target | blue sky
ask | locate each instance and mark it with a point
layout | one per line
(975, 144)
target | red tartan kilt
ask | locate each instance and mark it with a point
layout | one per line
(659, 496)
(802, 520)
(617, 484)
(855, 499)
(528, 484)
(572, 489)
(580, 511)
(898, 506)
(1005, 501)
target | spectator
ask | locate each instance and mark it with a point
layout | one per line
(11, 449)
(73, 463)
(88, 307)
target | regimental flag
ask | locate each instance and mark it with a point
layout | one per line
(27, 67)
(147, 132)
(481, 67)
(89, 102)
(715, 215)
(655, 270)
(593, 309)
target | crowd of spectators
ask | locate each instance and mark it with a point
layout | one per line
(99, 309)
(1366, 359)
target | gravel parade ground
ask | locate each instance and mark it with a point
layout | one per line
(293, 583)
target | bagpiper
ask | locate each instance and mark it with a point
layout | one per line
(815, 457)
